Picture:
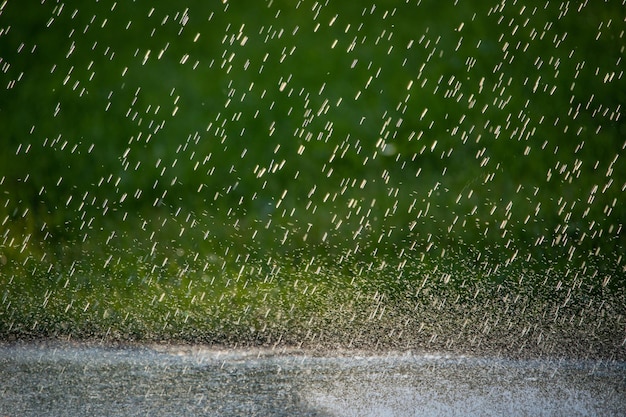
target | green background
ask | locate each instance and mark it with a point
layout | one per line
(246, 153)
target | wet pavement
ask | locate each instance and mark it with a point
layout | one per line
(57, 379)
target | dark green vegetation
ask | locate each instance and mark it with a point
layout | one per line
(293, 171)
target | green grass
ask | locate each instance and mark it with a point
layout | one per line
(432, 303)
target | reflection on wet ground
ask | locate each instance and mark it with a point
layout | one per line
(64, 380)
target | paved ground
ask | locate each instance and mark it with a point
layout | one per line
(63, 379)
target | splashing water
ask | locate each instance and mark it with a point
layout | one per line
(441, 176)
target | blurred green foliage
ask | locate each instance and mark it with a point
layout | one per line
(135, 131)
